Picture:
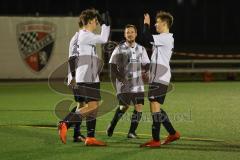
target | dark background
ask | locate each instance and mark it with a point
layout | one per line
(210, 26)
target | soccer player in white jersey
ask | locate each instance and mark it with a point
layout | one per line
(160, 75)
(87, 74)
(73, 56)
(126, 63)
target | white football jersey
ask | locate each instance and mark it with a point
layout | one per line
(162, 51)
(131, 60)
(73, 46)
(88, 62)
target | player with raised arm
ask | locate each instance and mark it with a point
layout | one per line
(160, 75)
(87, 74)
(72, 64)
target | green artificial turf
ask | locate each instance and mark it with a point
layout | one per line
(206, 115)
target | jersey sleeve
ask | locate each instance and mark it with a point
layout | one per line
(145, 59)
(113, 58)
(73, 46)
(148, 37)
(93, 39)
(158, 40)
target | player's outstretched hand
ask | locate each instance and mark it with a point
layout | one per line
(106, 18)
(146, 19)
(99, 18)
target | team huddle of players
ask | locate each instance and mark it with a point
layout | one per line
(128, 62)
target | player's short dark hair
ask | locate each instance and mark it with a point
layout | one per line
(165, 17)
(131, 26)
(88, 15)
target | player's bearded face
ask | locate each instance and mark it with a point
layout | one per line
(130, 35)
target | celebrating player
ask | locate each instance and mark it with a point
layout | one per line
(73, 56)
(87, 74)
(160, 75)
(126, 64)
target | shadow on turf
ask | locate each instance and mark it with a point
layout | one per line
(128, 143)
(185, 147)
(214, 146)
(207, 148)
(116, 153)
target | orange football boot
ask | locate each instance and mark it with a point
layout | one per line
(91, 141)
(151, 143)
(171, 138)
(62, 131)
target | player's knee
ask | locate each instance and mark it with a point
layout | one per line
(138, 107)
(155, 106)
(123, 108)
(80, 104)
(93, 103)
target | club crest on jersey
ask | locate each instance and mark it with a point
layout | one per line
(35, 42)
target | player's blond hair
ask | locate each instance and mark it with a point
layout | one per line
(165, 17)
